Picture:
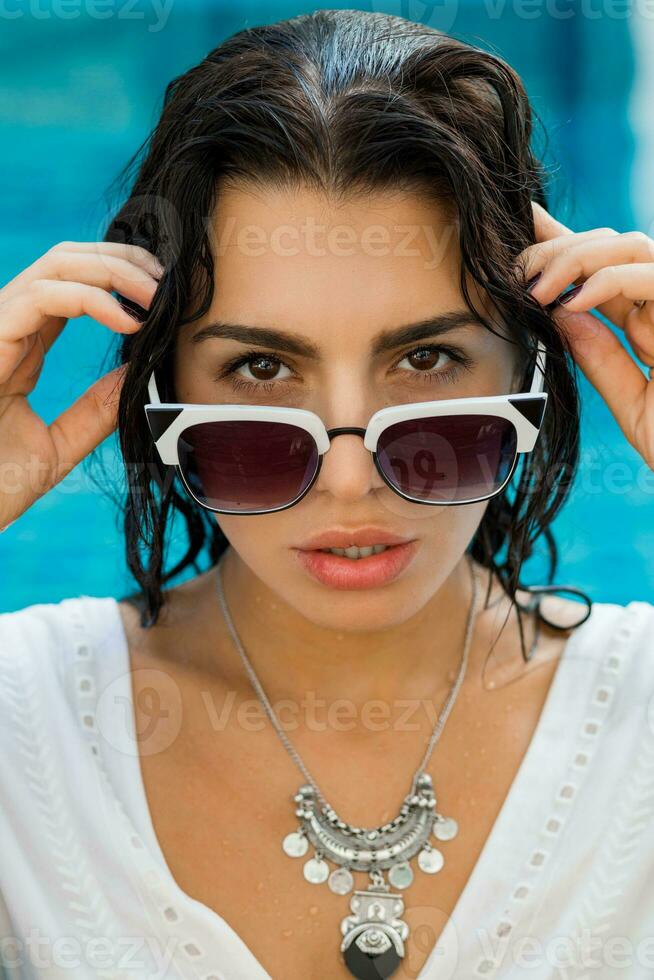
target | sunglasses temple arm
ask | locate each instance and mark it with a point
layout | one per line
(538, 380)
(153, 391)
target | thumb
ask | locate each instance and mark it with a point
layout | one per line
(606, 363)
(90, 419)
(589, 338)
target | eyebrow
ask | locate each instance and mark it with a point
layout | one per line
(293, 343)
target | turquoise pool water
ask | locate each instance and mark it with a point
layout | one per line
(78, 95)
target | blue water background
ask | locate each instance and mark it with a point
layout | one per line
(78, 93)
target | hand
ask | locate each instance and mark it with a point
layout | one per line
(615, 273)
(71, 279)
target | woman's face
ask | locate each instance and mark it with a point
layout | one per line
(338, 278)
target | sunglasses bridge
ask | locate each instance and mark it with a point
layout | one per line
(346, 430)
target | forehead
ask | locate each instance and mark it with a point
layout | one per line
(299, 259)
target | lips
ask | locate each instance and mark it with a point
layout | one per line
(343, 573)
(362, 537)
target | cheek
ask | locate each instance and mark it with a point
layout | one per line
(447, 531)
(255, 538)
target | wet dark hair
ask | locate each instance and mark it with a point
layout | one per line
(346, 102)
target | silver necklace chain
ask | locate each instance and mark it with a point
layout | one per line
(270, 711)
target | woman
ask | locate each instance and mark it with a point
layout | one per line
(354, 744)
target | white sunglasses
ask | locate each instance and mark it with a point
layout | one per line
(257, 459)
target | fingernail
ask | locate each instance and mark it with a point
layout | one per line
(532, 282)
(566, 297)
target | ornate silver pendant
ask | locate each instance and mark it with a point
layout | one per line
(374, 934)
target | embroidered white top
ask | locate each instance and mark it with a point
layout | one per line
(564, 886)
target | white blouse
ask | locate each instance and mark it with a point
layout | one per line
(563, 888)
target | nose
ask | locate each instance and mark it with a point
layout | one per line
(348, 471)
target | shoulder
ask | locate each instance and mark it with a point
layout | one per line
(609, 655)
(47, 659)
(608, 625)
(33, 648)
(611, 625)
(44, 635)
(36, 627)
(614, 649)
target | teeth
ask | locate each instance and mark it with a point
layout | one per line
(357, 553)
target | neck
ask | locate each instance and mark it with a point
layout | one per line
(416, 658)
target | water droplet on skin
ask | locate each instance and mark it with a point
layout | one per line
(259, 886)
(287, 933)
(313, 910)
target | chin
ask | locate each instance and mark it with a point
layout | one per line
(347, 602)
(356, 611)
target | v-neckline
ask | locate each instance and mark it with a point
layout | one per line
(495, 854)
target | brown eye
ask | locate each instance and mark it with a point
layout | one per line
(261, 368)
(426, 359)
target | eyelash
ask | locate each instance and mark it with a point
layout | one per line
(448, 375)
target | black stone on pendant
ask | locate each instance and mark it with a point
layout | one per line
(367, 967)
(374, 934)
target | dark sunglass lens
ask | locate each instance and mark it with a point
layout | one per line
(456, 458)
(247, 465)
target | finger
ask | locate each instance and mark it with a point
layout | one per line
(24, 377)
(639, 331)
(135, 254)
(15, 353)
(628, 282)
(47, 305)
(107, 272)
(139, 257)
(47, 298)
(577, 261)
(536, 257)
(89, 420)
(607, 364)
